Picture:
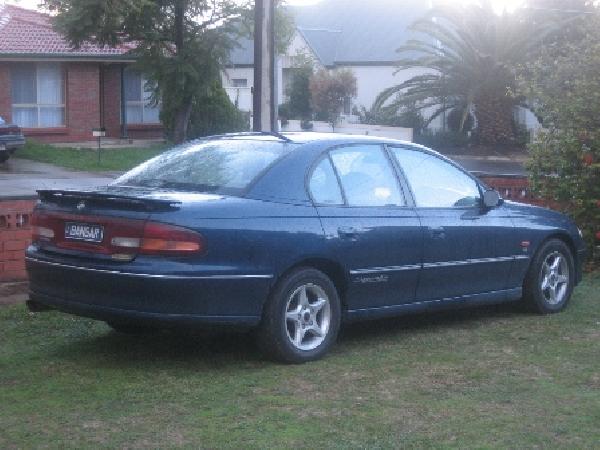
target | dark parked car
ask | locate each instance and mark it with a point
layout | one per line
(293, 235)
(11, 139)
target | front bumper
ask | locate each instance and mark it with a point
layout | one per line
(113, 295)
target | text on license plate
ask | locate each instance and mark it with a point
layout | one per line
(84, 232)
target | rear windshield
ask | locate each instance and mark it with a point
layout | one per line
(224, 167)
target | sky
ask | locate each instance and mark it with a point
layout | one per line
(499, 5)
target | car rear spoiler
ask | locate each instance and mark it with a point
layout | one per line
(106, 199)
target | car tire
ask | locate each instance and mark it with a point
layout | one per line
(550, 279)
(4, 157)
(129, 328)
(302, 317)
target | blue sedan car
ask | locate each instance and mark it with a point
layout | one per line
(293, 235)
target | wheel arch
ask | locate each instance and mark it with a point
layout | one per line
(334, 270)
(568, 240)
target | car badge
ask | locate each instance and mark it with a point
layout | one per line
(80, 205)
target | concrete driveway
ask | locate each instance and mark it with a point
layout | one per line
(22, 177)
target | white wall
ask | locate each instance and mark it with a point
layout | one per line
(243, 96)
(403, 134)
(372, 80)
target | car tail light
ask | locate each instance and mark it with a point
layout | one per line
(123, 239)
(41, 228)
(162, 239)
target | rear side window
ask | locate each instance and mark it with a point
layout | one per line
(367, 176)
(222, 166)
(436, 183)
(324, 186)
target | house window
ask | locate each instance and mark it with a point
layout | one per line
(139, 109)
(239, 82)
(38, 95)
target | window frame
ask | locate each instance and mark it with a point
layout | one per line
(233, 83)
(143, 103)
(39, 106)
(402, 175)
(408, 199)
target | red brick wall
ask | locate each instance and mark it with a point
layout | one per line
(82, 103)
(5, 99)
(82, 82)
(83, 99)
(15, 236)
(148, 131)
(112, 100)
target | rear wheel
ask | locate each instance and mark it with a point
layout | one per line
(301, 320)
(551, 278)
(4, 156)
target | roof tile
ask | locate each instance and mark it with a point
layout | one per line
(24, 31)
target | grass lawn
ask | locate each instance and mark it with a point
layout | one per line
(484, 378)
(118, 159)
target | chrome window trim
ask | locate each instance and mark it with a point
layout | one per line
(147, 275)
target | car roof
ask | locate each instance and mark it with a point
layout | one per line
(305, 137)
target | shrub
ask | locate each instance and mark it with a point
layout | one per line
(564, 86)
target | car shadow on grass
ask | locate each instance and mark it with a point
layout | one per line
(159, 348)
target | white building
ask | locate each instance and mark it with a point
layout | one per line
(360, 35)
(351, 34)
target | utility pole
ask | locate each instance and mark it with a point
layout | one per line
(264, 102)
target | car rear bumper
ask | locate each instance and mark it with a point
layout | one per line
(12, 142)
(111, 295)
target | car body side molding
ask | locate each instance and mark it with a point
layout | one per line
(148, 275)
(487, 298)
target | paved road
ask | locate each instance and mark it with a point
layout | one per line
(22, 177)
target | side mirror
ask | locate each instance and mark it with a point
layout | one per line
(491, 198)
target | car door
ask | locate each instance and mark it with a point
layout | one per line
(465, 244)
(368, 225)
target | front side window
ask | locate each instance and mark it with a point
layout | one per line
(366, 175)
(225, 167)
(434, 182)
(324, 186)
(38, 98)
(139, 108)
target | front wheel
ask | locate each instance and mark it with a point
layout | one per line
(301, 320)
(551, 278)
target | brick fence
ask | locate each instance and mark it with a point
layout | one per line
(15, 236)
(15, 227)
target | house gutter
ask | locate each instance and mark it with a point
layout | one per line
(20, 57)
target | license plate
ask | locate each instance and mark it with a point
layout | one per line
(2, 147)
(84, 232)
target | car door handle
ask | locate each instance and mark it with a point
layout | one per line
(348, 233)
(470, 218)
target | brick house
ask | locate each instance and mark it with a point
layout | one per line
(57, 93)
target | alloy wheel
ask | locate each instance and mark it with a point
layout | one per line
(308, 316)
(554, 278)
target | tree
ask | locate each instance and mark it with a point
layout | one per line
(472, 55)
(181, 45)
(329, 91)
(564, 86)
(299, 90)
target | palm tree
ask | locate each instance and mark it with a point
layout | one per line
(472, 54)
